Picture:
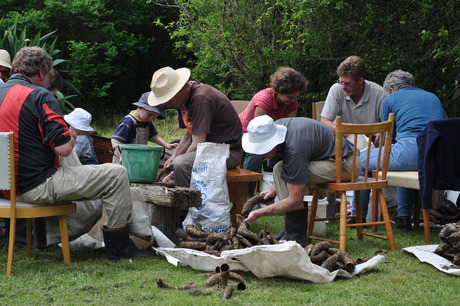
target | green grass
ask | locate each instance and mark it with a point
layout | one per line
(91, 279)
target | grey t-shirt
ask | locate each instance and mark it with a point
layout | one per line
(368, 109)
(306, 140)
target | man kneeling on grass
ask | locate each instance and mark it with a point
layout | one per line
(306, 148)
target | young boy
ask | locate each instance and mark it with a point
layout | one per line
(79, 120)
(137, 127)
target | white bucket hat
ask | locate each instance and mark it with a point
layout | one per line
(166, 83)
(263, 135)
(79, 119)
(5, 59)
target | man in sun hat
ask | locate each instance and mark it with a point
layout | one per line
(5, 65)
(205, 113)
(306, 148)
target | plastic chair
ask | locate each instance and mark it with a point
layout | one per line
(12, 209)
(360, 183)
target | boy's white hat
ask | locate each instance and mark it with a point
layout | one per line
(79, 119)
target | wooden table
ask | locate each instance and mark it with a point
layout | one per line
(238, 184)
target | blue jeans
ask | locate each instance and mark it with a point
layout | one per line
(252, 162)
(403, 157)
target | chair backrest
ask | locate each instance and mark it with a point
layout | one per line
(369, 130)
(316, 109)
(7, 166)
(239, 105)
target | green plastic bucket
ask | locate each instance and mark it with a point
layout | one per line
(141, 161)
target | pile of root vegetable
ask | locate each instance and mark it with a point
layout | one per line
(449, 247)
(194, 237)
(446, 212)
(222, 277)
(331, 259)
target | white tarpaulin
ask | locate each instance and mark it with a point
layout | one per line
(425, 253)
(287, 260)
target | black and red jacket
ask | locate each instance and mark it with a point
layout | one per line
(35, 117)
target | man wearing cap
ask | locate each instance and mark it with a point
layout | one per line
(5, 65)
(205, 113)
(306, 148)
(137, 127)
(41, 135)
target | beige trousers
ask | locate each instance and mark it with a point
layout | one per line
(320, 171)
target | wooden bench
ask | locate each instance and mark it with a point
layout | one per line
(409, 179)
(238, 184)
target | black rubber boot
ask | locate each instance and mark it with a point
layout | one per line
(404, 223)
(296, 223)
(119, 246)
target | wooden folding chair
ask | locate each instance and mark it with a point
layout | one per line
(365, 182)
(12, 209)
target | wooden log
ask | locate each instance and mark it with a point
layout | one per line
(170, 197)
(165, 205)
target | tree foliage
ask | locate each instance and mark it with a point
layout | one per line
(238, 44)
(112, 47)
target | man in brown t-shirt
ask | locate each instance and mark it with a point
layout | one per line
(205, 113)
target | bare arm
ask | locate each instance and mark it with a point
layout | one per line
(259, 112)
(196, 139)
(159, 141)
(328, 122)
(181, 148)
(292, 202)
(65, 149)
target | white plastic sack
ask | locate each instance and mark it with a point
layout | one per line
(362, 141)
(425, 253)
(288, 260)
(209, 175)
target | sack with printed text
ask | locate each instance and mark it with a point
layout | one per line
(209, 176)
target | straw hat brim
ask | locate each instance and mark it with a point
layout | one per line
(156, 99)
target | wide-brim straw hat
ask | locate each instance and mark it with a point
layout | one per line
(263, 135)
(79, 119)
(5, 59)
(166, 83)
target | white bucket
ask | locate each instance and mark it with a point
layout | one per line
(320, 226)
(452, 195)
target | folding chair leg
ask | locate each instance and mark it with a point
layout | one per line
(386, 218)
(29, 237)
(359, 214)
(343, 222)
(312, 214)
(426, 225)
(64, 238)
(9, 264)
